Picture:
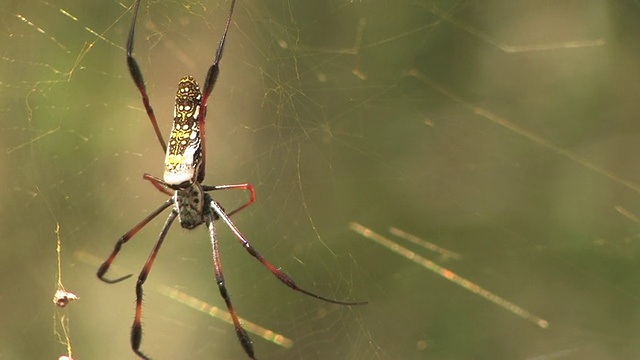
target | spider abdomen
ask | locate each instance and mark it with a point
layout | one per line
(184, 151)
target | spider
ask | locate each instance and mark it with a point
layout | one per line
(182, 180)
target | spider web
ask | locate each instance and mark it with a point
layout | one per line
(495, 131)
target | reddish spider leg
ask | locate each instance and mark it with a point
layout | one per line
(244, 338)
(217, 209)
(218, 212)
(136, 328)
(136, 74)
(234, 187)
(102, 270)
(210, 80)
(164, 188)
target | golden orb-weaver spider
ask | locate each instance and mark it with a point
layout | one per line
(183, 176)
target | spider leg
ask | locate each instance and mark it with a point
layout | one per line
(214, 70)
(136, 328)
(136, 75)
(164, 188)
(126, 237)
(234, 187)
(275, 271)
(158, 184)
(245, 341)
(210, 80)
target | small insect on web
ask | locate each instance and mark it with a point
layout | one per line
(182, 180)
(61, 299)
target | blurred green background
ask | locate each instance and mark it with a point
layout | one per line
(504, 131)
